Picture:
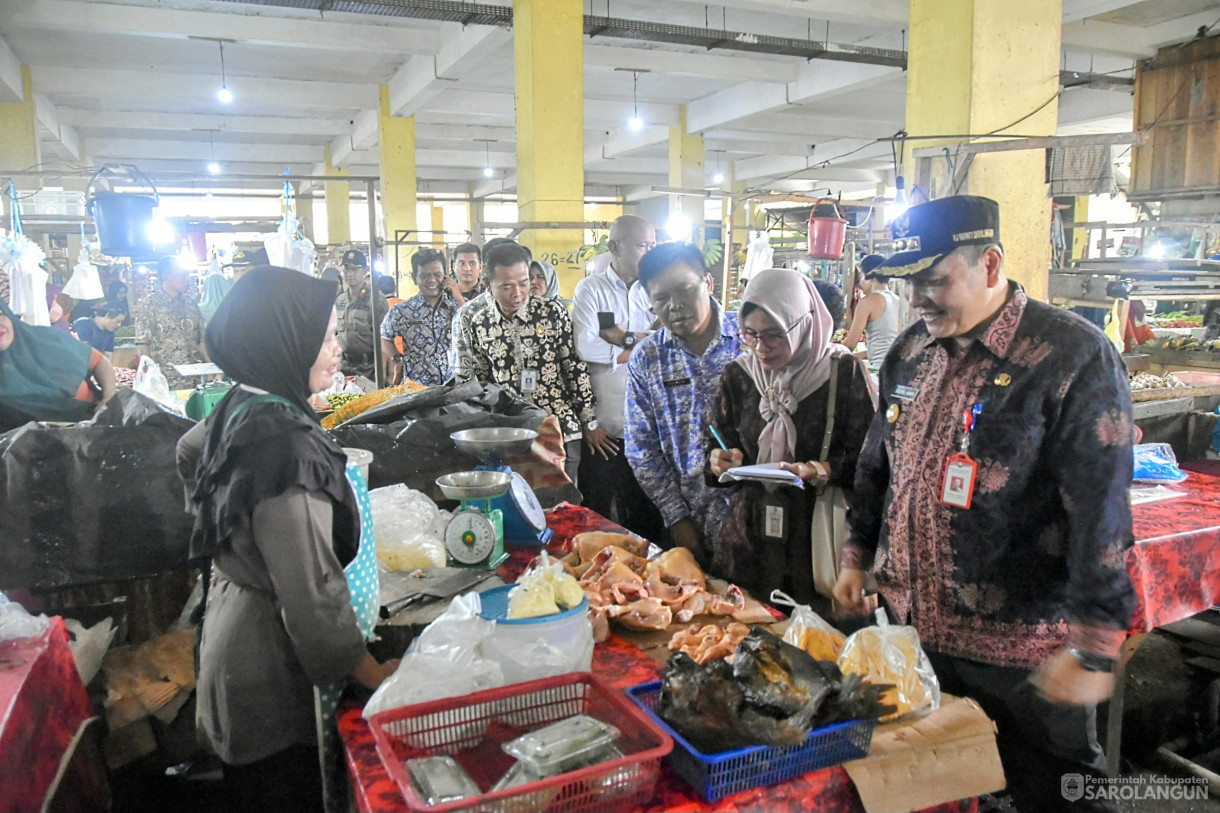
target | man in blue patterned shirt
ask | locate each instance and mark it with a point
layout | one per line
(673, 378)
(423, 323)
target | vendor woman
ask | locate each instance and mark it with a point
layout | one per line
(286, 523)
(772, 408)
(47, 375)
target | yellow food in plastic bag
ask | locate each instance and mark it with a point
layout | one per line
(892, 654)
(532, 600)
(821, 644)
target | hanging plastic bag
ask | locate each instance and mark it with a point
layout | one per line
(150, 381)
(808, 630)
(16, 622)
(85, 283)
(1156, 463)
(22, 259)
(404, 523)
(446, 660)
(891, 654)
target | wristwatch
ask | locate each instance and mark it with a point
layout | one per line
(628, 341)
(1092, 662)
(593, 425)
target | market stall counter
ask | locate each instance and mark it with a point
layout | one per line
(622, 664)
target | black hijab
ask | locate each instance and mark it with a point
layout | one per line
(266, 334)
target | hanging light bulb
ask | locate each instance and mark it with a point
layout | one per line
(214, 168)
(213, 165)
(635, 122)
(224, 94)
(487, 170)
(718, 177)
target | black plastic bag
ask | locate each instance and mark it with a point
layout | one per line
(95, 502)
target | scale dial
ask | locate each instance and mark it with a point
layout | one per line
(527, 503)
(470, 537)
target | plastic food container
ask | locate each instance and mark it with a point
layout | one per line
(569, 632)
(363, 458)
(441, 780)
(718, 775)
(562, 746)
(624, 781)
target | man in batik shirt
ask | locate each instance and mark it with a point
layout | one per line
(173, 324)
(673, 377)
(524, 343)
(423, 323)
(991, 497)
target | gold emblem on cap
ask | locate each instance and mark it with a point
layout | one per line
(1002, 380)
(891, 414)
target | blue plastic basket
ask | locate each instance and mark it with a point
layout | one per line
(718, 775)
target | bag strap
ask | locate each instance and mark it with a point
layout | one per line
(258, 398)
(832, 397)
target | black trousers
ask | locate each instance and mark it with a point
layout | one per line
(1040, 742)
(289, 781)
(610, 489)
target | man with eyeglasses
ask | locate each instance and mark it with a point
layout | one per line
(672, 380)
(991, 497)
(601, 320)
(423, 323)
(467, 282)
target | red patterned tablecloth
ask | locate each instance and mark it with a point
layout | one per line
(623, 665)
(1175, 562)
(42, 704)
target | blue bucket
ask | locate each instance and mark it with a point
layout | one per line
(122, 221)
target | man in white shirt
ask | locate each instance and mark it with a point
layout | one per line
(607, 324)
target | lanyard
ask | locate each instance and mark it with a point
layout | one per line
(970, 418)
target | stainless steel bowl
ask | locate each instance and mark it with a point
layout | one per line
(474, 485)
(494, 442)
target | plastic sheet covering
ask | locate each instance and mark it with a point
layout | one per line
(95, 502)
(409, 435)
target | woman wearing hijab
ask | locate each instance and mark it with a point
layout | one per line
(286, 523)
(46, 375)
(116, 293)
(544, 282)
(772, 408)
(215, 288)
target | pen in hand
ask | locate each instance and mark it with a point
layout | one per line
(711, 428)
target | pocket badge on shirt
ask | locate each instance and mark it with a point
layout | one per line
(891, 414)
(905, 393)
(957, 488)
(529, 381)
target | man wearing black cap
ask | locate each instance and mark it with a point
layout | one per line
(991, 496)
(357, 324)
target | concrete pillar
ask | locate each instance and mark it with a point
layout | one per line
(979, 66)
(338, 205)
(1081, 237)
(304, 210)
(396, 145)
(19, 147)
(548, 45)
(686, 171)
(438, 225)
(476, 221)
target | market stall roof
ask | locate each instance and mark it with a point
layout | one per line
(795, 96)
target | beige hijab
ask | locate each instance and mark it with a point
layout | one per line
(792, 301)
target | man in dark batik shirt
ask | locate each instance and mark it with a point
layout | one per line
(1014, 575)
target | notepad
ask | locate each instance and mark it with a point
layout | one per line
(762, 473)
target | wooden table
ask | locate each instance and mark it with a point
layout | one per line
(623, 665)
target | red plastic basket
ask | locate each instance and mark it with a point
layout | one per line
(471, 729)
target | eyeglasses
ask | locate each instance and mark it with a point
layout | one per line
(768, 337)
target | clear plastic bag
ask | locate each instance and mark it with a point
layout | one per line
(889, 653)
(409, 528)
(809, 631)
(446, 660)
(150, 381)
(544, 589)
(1156, 463)
(16, 622)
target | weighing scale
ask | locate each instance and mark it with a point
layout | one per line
(475, 535)
(524, 520)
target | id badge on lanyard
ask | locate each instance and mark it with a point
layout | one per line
(961, 471)
(529, 381)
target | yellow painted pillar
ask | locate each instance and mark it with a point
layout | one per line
(686, 171)
(304, 203)
(19, 148)
(548, 46)
(738, 239)
(396, 145)
(979, 66)
(338, 205)
(438, 225)
(1081, 237)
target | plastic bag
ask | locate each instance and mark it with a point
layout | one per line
(1156, 463)
(150, 381)
(408, 529)
(809, 631)
(446, 660)
(89, 645)
(892, 654)
(544, 589)
(16, 622)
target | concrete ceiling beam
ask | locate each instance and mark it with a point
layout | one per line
(739, 68)
(177, 122)
(249, 92)
(12, 88)
(62, 134)
(1076, 10)
(247, 25)
(625, 141)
